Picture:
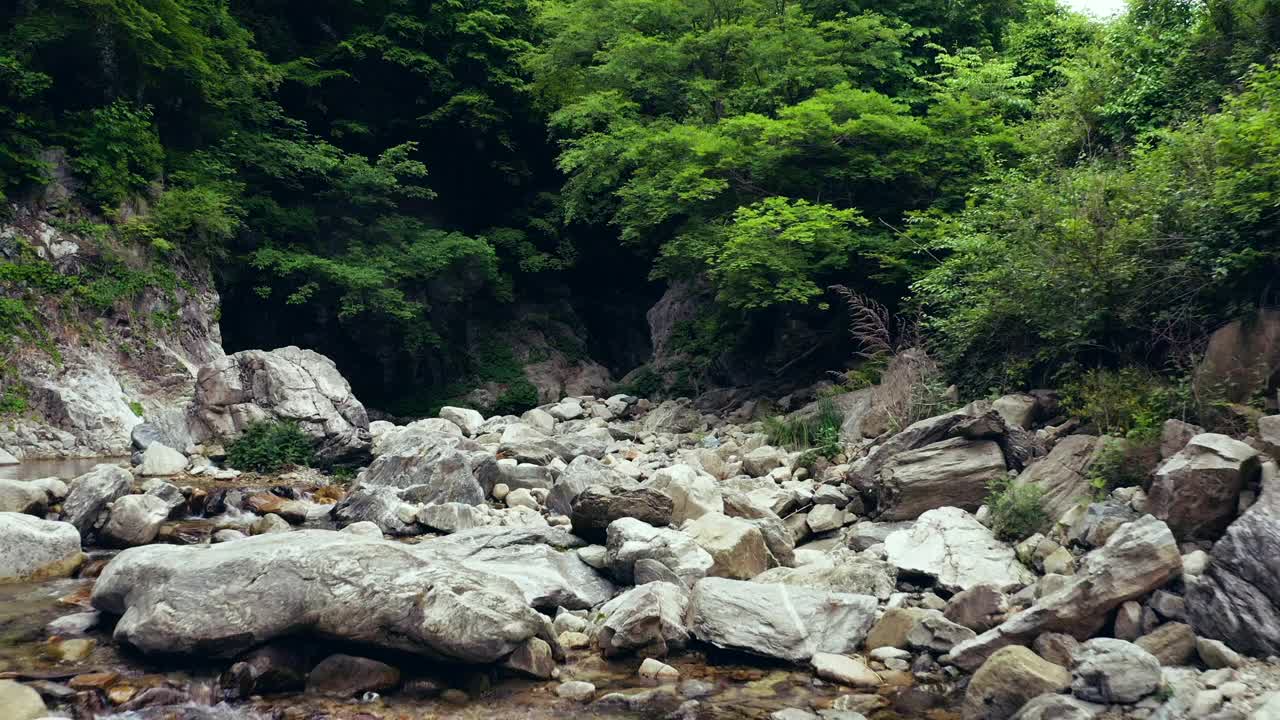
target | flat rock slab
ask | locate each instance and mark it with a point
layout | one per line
(958, 552)
(221, 600)
(781, 621)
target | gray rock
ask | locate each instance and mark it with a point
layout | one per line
(426, 467)
(1197, 490)
(1139, 558)
(936, 634)
(958, 552)
(350, 676)
(134, 520)
(1058, 707)
(1063, 475)
(825, 518)
(847, 572)
(92, 492)
(22, 497)
(1111, 671)
(777, 537)
(630, 540)
(760, 461)
(693, 493)
(580, 474)
(380, 506)
(526, 444)
(599, 505)
(950, 473)
(780, 621)
(376, 593)
(284, 384)
(1017, 409)
(534, 658)
(75, 624)
(737, 547)
(866, 534)
(160, 460)
(1215, 654)
(648, 619)
(37, 549)
(450, 517)
(1099, 521)
(576, 691)
(467, 420)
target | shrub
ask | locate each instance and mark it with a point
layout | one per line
(1123, 462)
(1016, 510)
(646, 383)
(819, 432)
(267, 447)
(117, 151)
(519, 396)
(1130, 402)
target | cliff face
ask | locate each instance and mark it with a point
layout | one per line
(112, 336)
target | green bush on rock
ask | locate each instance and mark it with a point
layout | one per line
(1016, 510)
(268, 447)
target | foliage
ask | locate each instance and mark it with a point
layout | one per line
(1130, 402)
(819, 431)
(116, 151)
(1123, 462)
(520, 395)
(645, 383)
(270, 446)
(1017, 509)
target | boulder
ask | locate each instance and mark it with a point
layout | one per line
(1059, 707)
(287, 384)
(37, 549)
(1196, 492)
(425, 466)
(737, 547)
(1018, 410)
(376, 593)
(134, 520)
(1237, 599)
(1173, 644)
(762, 460)
(535, 658)
(599, 505)
(845, 670)
(350, 676)
(160, 460)
(380, 506)
(451, 517)
(934, 633)
(893, 627)
(1111, 671)
(950, 473)
(979, 608)
(1174, 435)
(693, 493)
(648, 619)
(23, 497)
(526, 444)
(950, 546)
(1138, 558)
(580, 474)
(630, 540)
(779, 621)
(92, 492)
(20, 702)
(1063, 474)
(845, 572)
(972, 422)
(825, 518)
(1007, 681)
(467, 420)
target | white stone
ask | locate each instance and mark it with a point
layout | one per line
(950, 545)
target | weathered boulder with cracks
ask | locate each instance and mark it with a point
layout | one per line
(1063, 475)
(288, 384)
(425, 466)
(92, 492)
(238, 595)
(599, 505)
(134, 520)
(958, 552)
(631, 541)
(845, 572)
(779, 621)
(1140, 557)
(648, 619)
(36, 549)
(950, 473)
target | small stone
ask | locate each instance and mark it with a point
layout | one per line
(348, 676)
(1128, 624)
(845, 670)
(93, 681)
(1206, 703)
(652, 669)
(576, 690)
(1195, 563)
(1234, 689)
(71, 651)
(1168, 605)
(500, 491)
(521, 497)
(1173, 644)
(1057, 648)
(121, 694)
(533, 658)
(20, 702)
(889, 653)
(575, 640)
(1060, 562)
(1215, 654)
(269, 524)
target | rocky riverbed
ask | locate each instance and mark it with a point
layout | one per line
(612, 557)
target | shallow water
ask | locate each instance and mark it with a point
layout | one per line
(62, 468)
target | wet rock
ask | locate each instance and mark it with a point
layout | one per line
(1237, 600)
(74, 625)
(273, 668)
(1007, 681)
(20, 702)
(160, 460)
(349, 676)
(952, 473)
(649, 618)
(979, 608)
(1197, 490)
(778, 621)
(92, 492)
(1107, 670)
(371, 592)
(1063, 475)
(599, 505)
(576, 690)
(845, 670)
(36, 549)
(1173, 644)
(658, 671)
(737, 547)
(134, 520)
(270, 524)
(847, 572)
(284, 384)
(958, 552)
(630, 540)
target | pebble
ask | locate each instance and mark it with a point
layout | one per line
(500, 491)
(576, 690)
(652, 669)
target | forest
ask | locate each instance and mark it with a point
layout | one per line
(1042, 193)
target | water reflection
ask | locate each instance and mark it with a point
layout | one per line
(62, 468)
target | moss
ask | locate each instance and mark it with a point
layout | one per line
(136, 407)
